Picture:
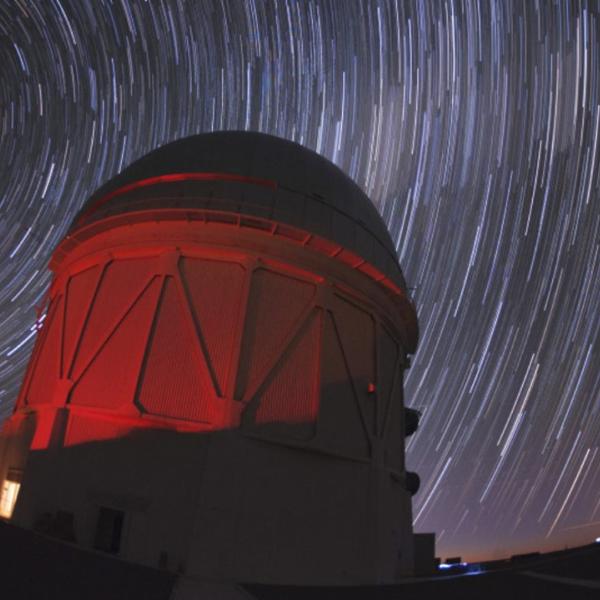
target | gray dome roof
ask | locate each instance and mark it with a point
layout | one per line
(311, 192)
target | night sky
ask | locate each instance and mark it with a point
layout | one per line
(475, 129)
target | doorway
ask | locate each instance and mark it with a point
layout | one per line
(109, 529)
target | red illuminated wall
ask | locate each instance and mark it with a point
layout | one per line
(204, 339)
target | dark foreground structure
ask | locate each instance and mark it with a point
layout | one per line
(33, 566)
(216, 389)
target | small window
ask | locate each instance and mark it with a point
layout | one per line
(8, 498)
(9, 492)
(109, 529)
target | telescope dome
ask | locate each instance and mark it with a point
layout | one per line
(252, 174)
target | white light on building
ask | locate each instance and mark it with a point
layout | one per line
(8, 498)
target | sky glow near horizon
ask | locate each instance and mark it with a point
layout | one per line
(475, 129)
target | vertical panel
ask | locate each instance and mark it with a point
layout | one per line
(173, 385)
(276, 303)
(395, 439)
(111, 378)
(357, 333)
(47, 368)
(79, 293)
(215, 290)
(292, 394)
(22, 398)
(387, 358)
(120, 285)
(340, 425)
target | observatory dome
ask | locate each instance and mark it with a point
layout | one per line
(254, 174)
(228, 312)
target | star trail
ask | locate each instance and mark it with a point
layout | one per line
(473, 126)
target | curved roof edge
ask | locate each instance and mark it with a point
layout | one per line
(253, 174)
